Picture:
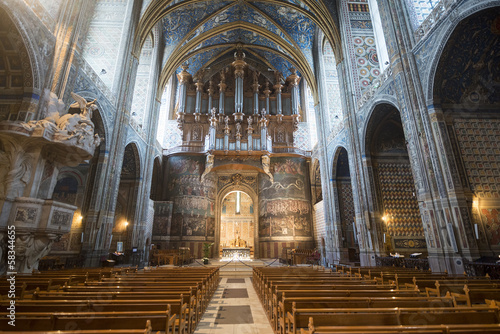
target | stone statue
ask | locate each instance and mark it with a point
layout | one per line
(86, 108)
(51, 112)
(30, 249)
(209, 164)
(238, 128)
(266, 166)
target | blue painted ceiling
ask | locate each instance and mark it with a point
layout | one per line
(266, 29)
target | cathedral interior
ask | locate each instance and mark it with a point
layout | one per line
(366, 130)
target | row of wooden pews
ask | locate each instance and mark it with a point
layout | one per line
(375, 300)
(165, 300)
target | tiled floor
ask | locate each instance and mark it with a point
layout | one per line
(231, 319)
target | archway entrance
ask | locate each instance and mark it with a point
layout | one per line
(237, 226)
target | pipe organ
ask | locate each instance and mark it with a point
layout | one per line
(238, 109)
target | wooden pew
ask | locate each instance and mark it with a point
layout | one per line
(147, 330)
(286, 304)
(299, 318)
(427, 329)
(170, 321)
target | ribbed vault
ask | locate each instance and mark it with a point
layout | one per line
(277, 33)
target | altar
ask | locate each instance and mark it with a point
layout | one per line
(239, 252)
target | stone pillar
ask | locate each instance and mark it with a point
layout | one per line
(430, 170)
(98, 227)
(72, 26)
(141, 230)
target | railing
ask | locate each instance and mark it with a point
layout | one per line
(481, 269)
(184, 149)
(402, 262)
(292, 150)
(437, 13)
(203, 149)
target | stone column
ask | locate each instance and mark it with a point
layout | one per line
(72, 26)
(98, 229)
(430, 171)
(141, 231)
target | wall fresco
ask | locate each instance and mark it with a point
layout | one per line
(491, 217)
(193, 211)
(284, 205)
(162, 218)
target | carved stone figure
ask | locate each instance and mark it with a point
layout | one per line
(51, 112)
(266, 166)
(30, 249)
(209, 164)
(86, 108)
(238, 129)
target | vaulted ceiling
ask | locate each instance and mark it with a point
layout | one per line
(276, 34)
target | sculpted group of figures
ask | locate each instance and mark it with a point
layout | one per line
(69, 127)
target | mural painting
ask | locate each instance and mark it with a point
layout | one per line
(193, 212)
(284, 205)
(162, 219)
(491, 217)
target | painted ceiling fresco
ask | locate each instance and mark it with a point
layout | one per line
(280, 32)
(470, 74)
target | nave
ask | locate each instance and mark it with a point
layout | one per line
(251, 297)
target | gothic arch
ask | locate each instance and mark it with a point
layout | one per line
(221, 194)
(19, 69)
(449, 27)
(28, 38)
(369, 121)
(397, 224)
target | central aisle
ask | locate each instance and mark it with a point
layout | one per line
(234, 309)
